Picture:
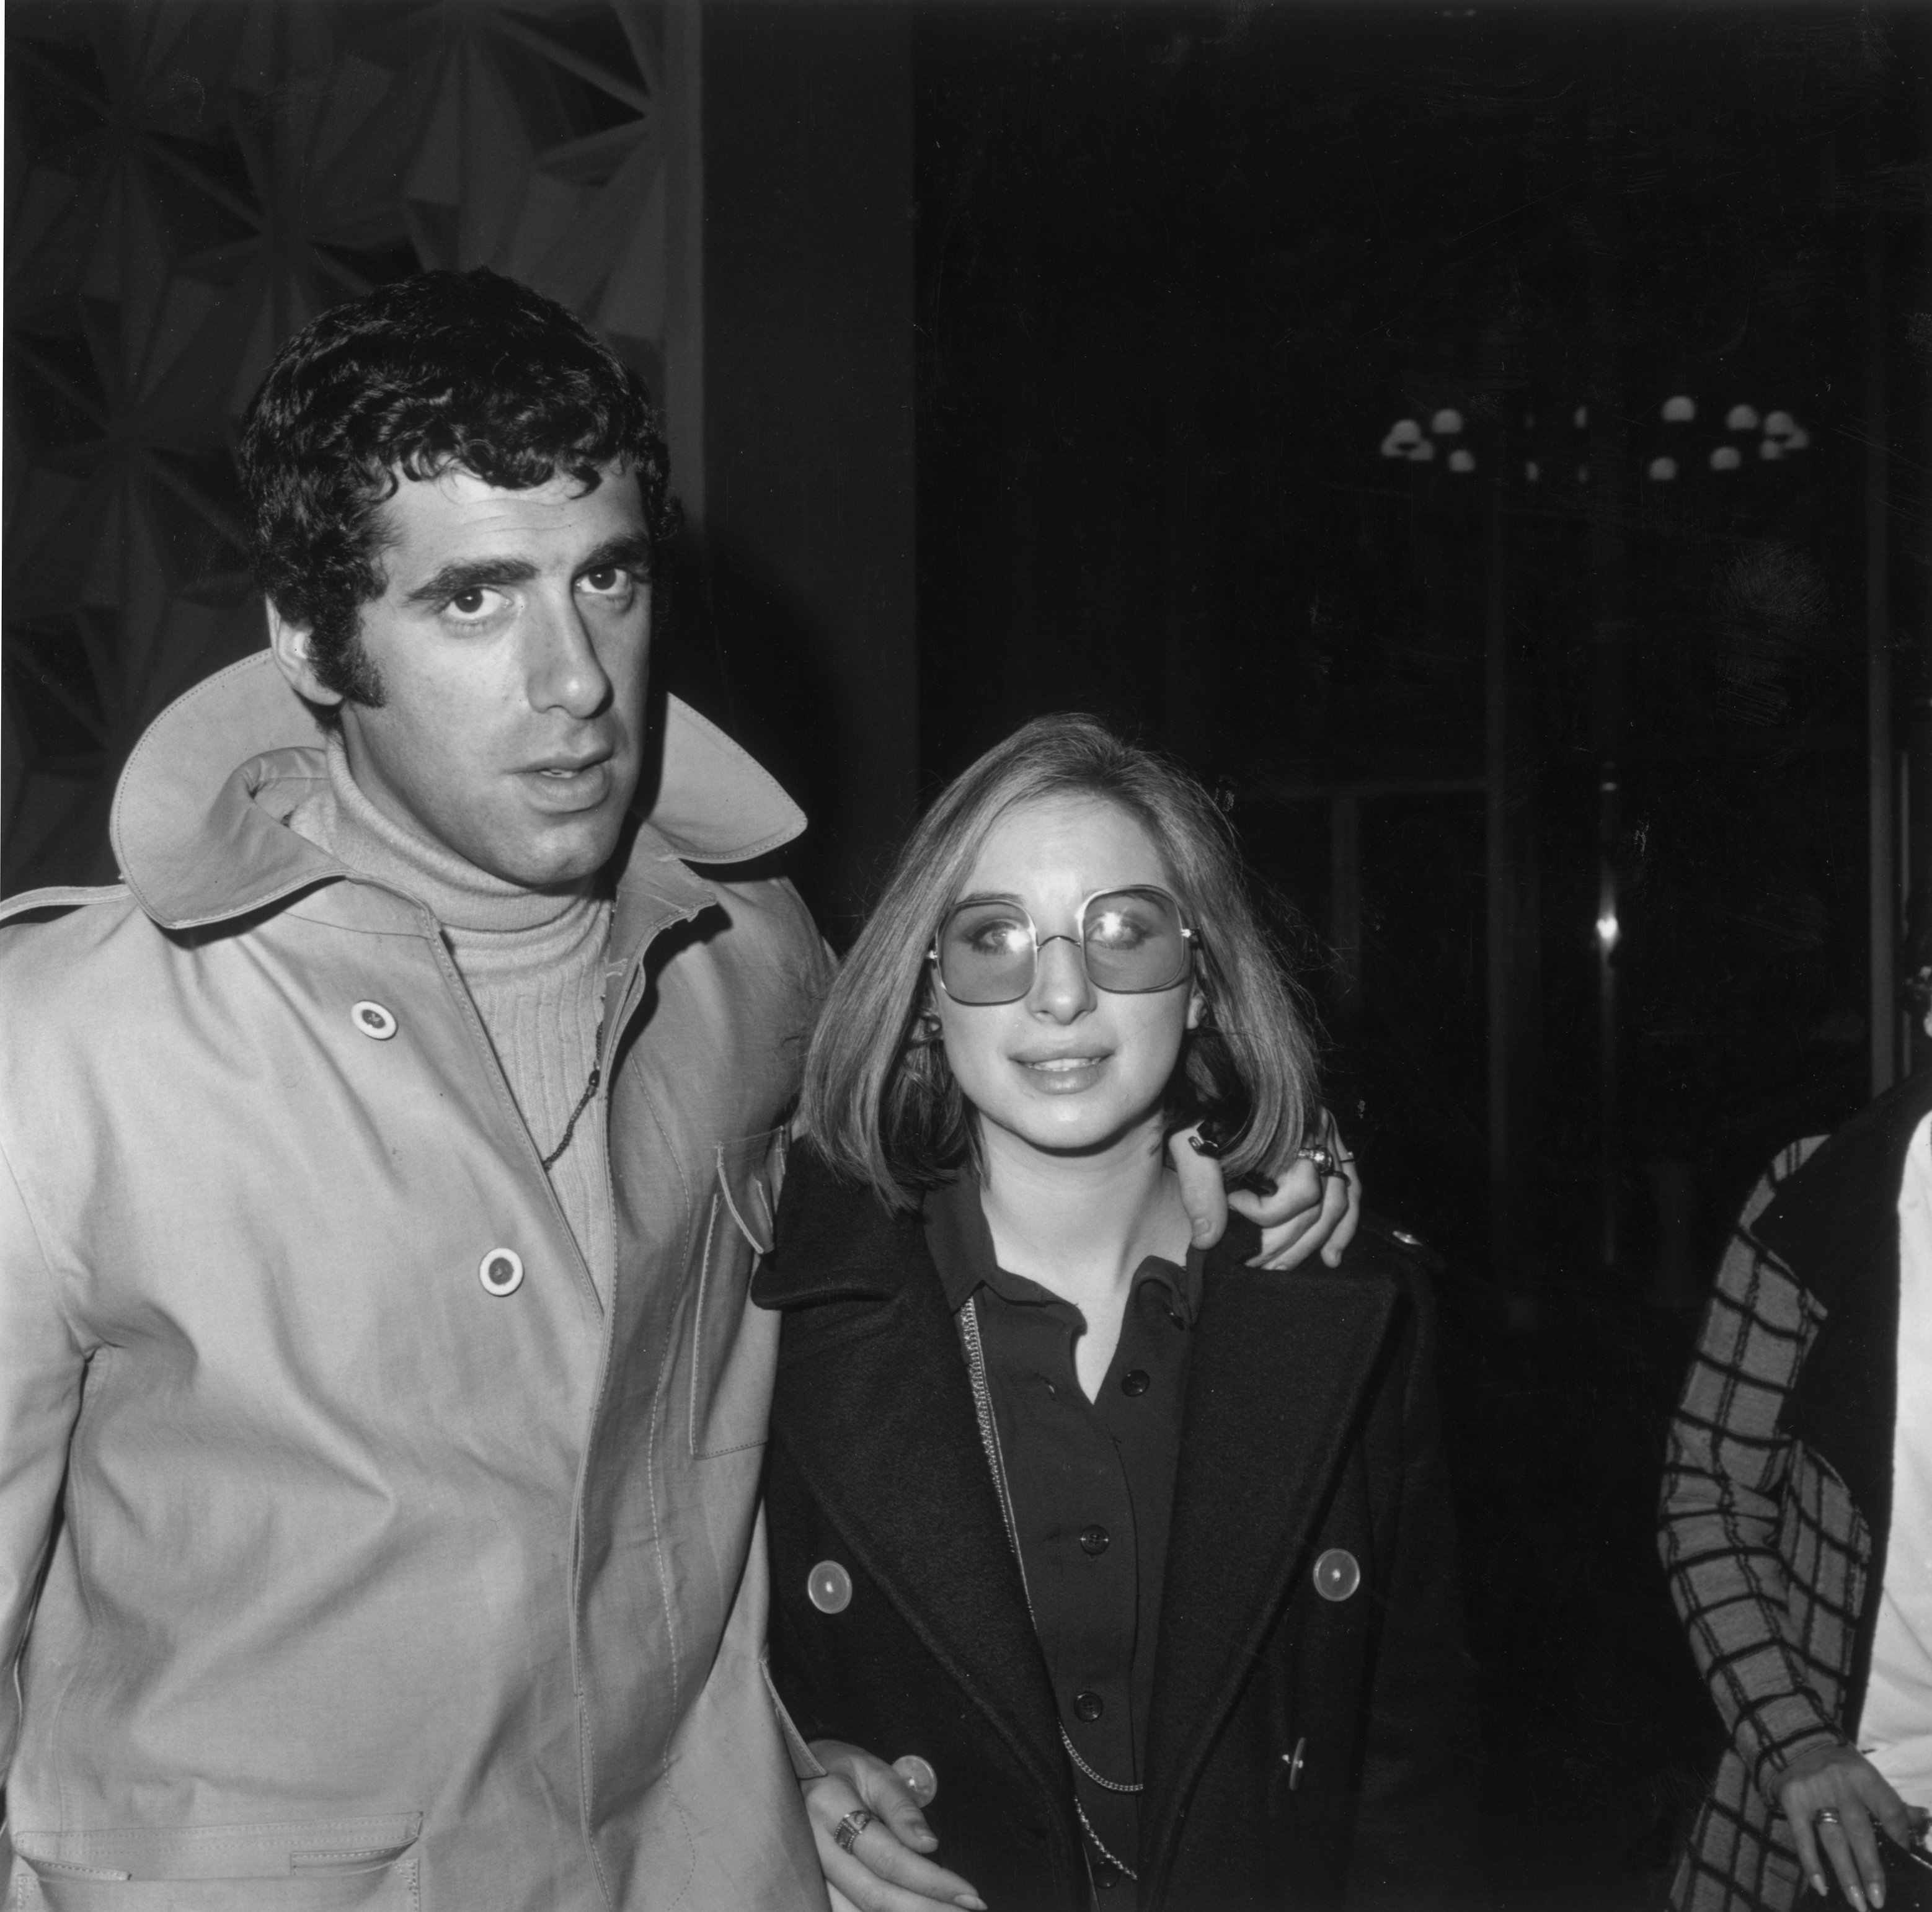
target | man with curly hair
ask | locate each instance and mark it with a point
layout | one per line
(382, 1163)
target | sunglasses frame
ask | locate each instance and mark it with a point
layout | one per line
(1190, 944)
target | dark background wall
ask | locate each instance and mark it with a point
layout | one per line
(1018, 358)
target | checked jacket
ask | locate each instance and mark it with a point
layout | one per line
(1778, 1485)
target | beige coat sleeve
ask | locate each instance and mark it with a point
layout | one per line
(42, 1364)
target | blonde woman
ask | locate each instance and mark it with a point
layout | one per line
(1138, 1560)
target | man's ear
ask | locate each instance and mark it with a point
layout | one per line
(290, 642)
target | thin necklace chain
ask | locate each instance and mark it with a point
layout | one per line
(989, 1439)
(583, 1102)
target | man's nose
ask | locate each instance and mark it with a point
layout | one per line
(1061, 989)
(565, 673)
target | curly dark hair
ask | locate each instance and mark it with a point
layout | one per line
(446, 370)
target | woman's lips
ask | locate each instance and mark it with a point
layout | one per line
(1062, 1075)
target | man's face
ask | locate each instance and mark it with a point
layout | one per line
(512, 642)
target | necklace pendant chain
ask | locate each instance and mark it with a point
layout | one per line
(556, 1155)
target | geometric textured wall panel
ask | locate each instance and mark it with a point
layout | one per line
(188, 182)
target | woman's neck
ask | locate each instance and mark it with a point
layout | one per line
(1081, 1225)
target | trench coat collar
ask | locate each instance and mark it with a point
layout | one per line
(1280, 1366)
(195, 823)
(1834, 1224)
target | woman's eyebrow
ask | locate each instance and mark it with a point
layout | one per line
(990, 896)
(470, 574)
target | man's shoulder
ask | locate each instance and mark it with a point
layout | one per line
(773, 904)
(47, 930)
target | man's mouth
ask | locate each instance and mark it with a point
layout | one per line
(575, 782)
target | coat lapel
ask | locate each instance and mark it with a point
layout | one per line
(1834, 1224)
(1280, 1363)
(873, 1405)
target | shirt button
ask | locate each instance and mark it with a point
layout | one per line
(1135, 1381)
(1093, 1540)
(1088, 1706)
(374, 1020)
(501, 1271)
(829, 1587)
(1337, 1575)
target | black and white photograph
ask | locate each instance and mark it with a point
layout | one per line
(967, 954)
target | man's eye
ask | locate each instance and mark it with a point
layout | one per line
(607, 580)
(473, 603)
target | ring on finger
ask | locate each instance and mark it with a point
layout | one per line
(1824, 1816)
(1324, 1158)
(845, 1836)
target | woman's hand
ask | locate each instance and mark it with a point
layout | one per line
(1309, 1209)
(884, 1871)
(1845, 1785)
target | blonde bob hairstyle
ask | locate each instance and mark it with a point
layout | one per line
(879, 1101)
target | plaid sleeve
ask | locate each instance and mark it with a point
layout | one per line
(1724, 1485)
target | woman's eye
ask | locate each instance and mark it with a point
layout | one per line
(1116, 932)
(997, 938)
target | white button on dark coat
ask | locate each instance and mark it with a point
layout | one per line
(374, 1020)
(920, 1779)
(829, 1587)
(1337, 1574)
(501, 1271)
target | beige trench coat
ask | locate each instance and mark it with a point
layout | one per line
(333, 1578)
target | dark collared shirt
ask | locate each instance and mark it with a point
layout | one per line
(1091, 1484)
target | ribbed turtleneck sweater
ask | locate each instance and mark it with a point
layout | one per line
(533, 962)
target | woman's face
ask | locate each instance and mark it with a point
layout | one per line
(1069, 1068)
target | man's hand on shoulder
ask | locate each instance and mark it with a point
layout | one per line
(1316, 1206)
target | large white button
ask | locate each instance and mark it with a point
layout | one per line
(374, 1021)
(829, 1587)
(920, 1779)
(1337, 1574)
(502, 1272)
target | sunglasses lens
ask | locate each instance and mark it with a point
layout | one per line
(985, 953)
(1134, 942)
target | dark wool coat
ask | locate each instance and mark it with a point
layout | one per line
(1778, 1491)
(1302, 1751)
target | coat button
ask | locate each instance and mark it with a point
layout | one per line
(1293, 1762)
(1336, 1574)
(1088, 1706)
(920, 1779)
(1094, 1539)
(374, 1020)
(829, 1587)
(501, 1271)
(1134, 1381)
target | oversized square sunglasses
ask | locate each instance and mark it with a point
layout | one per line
(1133, 942)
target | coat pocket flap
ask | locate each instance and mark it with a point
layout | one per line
(222, 1852)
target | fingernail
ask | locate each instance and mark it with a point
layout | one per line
(1857, 1898)
(971, 1903)
(1876, 1889)
(1818, 1884)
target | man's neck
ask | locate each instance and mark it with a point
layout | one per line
(462, 897)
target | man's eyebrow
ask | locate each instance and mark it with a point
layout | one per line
(472, 574)
(631, 550)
